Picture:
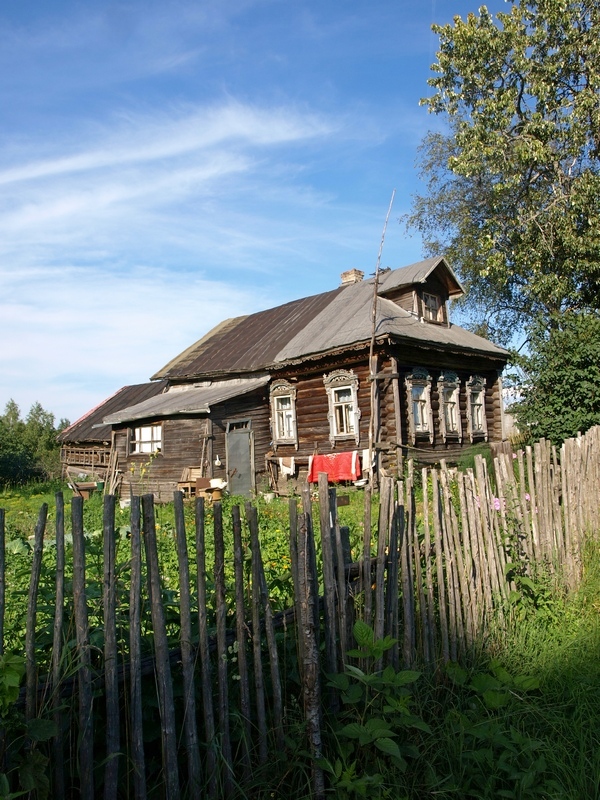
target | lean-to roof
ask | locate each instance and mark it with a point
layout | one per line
(188, 400)
(89, 427)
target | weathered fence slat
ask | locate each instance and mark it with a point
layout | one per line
(135, 647)
(259, 683)
(241, 639)
(86, 734)
(58, 752)
(203, 647)
(111, 688)
(187, 652)
(221, 621)
(277, 709)
(329, 591)
(439, 564)
(34, 581)
(161, 647)
(311, 681)
(430, 629)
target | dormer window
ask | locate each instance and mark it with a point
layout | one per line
(432, 307)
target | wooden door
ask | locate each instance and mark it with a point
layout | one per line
(240, 458)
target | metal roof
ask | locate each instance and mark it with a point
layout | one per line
(245, 344)
(89, 427)
(184, 400)
(320, 324)
(348, 323)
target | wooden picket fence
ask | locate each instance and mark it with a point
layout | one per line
(451, 557)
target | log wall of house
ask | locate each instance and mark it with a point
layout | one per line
(182, 447)
(465, 367)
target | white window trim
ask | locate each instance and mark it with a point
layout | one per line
(419, 377)
(449, 381)
(342, 379)
(135, 440)
(283, 388)
(475, 386)
(428, 314)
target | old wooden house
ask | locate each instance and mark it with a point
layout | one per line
(348, 382)
(86, 444)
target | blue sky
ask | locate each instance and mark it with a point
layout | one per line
(166, 165)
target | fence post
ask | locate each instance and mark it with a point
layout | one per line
(161, 647)
(241, 638)
(57, 648)
(111, 768)
(34, 581)
(86, 733)
(311, 688)
(205, 667)
(187, 654)
(135, 646)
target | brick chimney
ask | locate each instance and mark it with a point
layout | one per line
(351, 276)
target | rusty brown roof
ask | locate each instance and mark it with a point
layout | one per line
(89, 427)
(320, 324)
(245, 344)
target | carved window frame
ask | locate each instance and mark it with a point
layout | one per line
(476, 392)
(449, 384)
(419, 379)
(278, 390)
(334, 381)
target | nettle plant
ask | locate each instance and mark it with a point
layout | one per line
(371, 733)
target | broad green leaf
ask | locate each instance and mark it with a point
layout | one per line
(363, 634)
(40, 730)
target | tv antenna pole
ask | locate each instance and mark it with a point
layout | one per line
(372, 364)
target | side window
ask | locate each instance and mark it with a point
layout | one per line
(418, 391)
(344, 414)
(476, 419)
(283, 414)
(147, 439)
(448, 392)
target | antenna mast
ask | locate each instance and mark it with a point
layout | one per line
(372, 365)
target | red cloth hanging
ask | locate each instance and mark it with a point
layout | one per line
(338, 466)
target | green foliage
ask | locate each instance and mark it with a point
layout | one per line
(561, 397)
(371, 733)
(28, 448)
(514, 188)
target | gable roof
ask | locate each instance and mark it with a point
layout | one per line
(90, 427)
(323, 323)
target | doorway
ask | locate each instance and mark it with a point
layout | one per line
(239, 442)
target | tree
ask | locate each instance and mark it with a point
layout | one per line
(562, 393)
(28, 448)
(514, 188)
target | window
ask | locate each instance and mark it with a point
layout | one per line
(283, 413)
(420, 407)
(432, 307)
(146, 440)
(418, 390)
(344, 414)
(448, 391)
(476, 407)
